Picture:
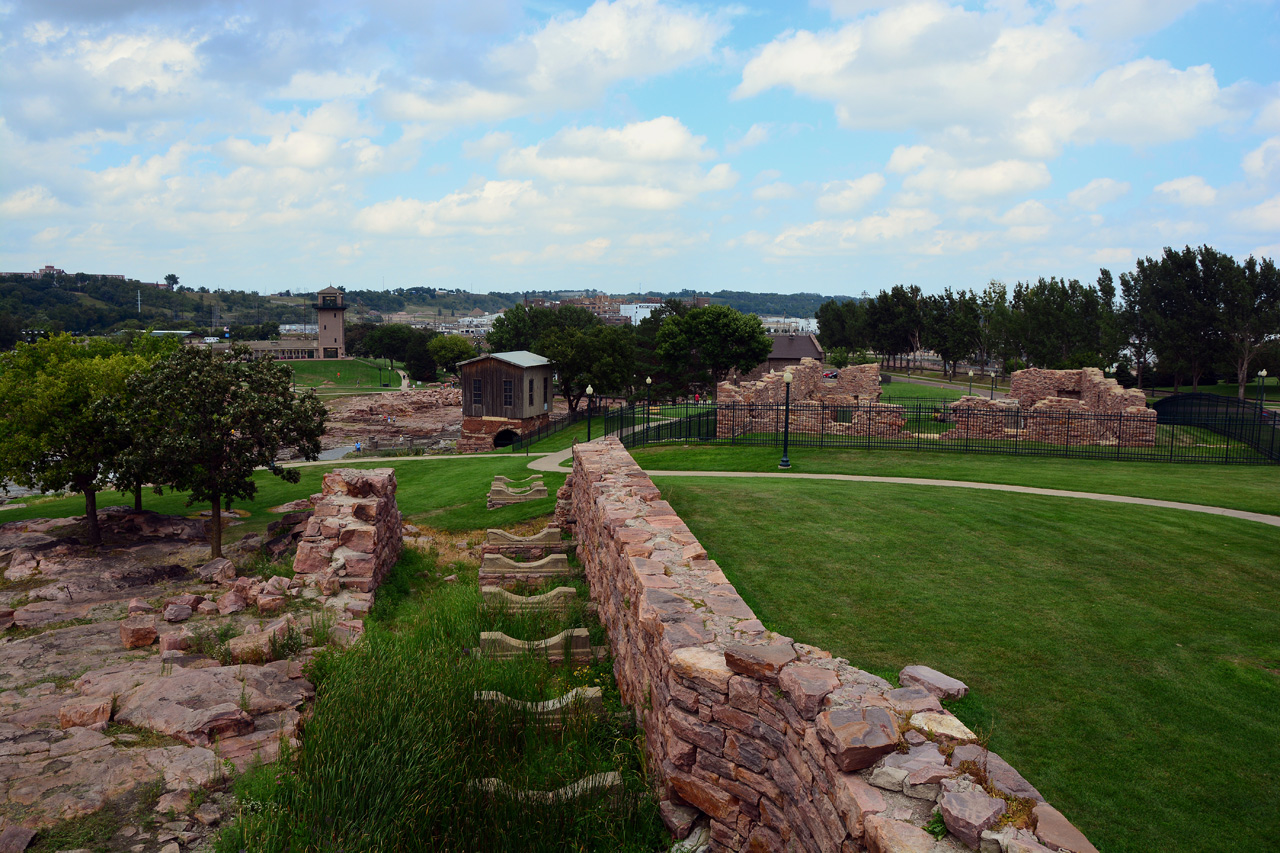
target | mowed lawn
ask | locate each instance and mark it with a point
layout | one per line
(1254, 488)
(1125, 659)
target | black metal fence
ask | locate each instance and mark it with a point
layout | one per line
(603, 414)
(1203, 436)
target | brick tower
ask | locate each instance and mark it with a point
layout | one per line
(329, 310)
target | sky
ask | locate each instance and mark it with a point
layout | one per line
(834, 146)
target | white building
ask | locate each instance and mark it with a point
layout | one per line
(637, 311)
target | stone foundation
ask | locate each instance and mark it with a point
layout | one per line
(478, 433)
(779, 744)
(354, 537)
(856, 383)
(535, 547)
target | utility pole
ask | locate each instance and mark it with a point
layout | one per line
(139, 300)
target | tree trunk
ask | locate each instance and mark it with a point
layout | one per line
(91, 514)
(215, 527)
(137, 496)
(1242, 377)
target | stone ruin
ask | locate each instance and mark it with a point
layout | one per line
(1069, 407)
(535, 547)
(847, 405)
(354, 536)
(778, 743)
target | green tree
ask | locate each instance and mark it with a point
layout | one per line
(217, 416)
(418, 362)
(448, 350)
(56, 427)
(1250, 313)
(711, 341)
(838, 358)
(172, 280)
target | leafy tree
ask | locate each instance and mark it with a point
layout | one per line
(389, 340)
(1187, 288)
(953, 327)
(600, 356)
(668, 381)
(709, 342)
(56, 427)
(448, 350)
(1250, 314)
(172, 280)
(10, 328)
(219, 415)
(838, 358)
(418, 362)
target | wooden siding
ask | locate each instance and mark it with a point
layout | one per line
(491, 374)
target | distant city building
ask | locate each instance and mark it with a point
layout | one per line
(634, 312)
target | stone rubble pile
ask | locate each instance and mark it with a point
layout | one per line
(781, 745)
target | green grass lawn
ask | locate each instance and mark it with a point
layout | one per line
(1125, 659)
(1231, 389)
(328, 375)
(1254, 488)
(448, 494)
(897, 392)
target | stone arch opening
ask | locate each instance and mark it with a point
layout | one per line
(505, 438)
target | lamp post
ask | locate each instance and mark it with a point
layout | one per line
(786, 421)
(648, 405)
(971, 382)
(590, 391)
(1262, 388)
(993, 384)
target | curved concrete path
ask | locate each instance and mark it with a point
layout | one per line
(555, 462)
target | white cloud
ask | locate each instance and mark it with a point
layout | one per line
(967, 183)
(1027, 221)
(1122, 19)
(590, 250)
(1190, 191)
(1142, 103)
(495, 203)
(328, 86)
(1098, 192)
(328, 133)
(774, 191)
(1262, 161)
(1261, 217)
(755, 135)
(570, 62)
(488, 145)
(834, 237)
(847, 196)
(909, 158)
(29, 202)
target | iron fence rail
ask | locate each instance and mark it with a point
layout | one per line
(1219, 437)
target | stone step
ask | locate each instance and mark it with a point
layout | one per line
(572, 646)
(553, 712)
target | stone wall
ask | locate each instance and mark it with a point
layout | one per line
(1058, 403)
(1089, 386)
(847, 405)
(773, 740)
(980, 417)
(478, 433)
(354, 536)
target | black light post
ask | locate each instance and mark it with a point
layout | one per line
(971, 382)
(648, 405)
(590, 391)
(786, 421)
(1262, 388)
(993, 385)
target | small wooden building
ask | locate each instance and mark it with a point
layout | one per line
(504, 396)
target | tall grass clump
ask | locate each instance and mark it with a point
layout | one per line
(389, 760)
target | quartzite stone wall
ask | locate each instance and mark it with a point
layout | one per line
(1082, 407)
(354, 536)
(846, 406)
(478, 433)
(772, 739)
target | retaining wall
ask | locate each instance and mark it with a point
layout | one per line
(773, 740)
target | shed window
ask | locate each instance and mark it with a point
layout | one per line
(508, 393)
(530, 392)
(545, 383)
(477, 397)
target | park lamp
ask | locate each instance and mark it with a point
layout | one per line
(1262, 388)
(970, 381)
(590, 391)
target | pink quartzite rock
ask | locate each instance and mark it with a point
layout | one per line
(968, 814)
(1056, 832)
(207, 608)
(999, 771)
(884, 835)
(703, 666)
(137, 605)
(763, 663)
(15, 839)
(189, 599)
(940, 685)
(138, 632)
(217, 570)
(913, 700)
(231, 602)
(87, 711)
(856, 800)
(678, 819)
(177, 613)
(807, 686)
(857, 737)
(272, 604)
